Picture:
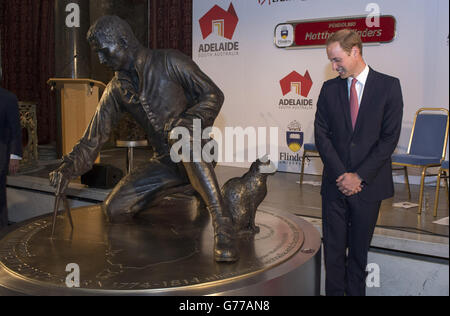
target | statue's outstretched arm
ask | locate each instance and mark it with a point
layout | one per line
(84, 153)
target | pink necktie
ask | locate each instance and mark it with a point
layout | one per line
(354, 106)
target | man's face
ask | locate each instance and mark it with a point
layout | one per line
(111, 54)
(341, 61)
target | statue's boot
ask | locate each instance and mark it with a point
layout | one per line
(204, 181)
(225, 249)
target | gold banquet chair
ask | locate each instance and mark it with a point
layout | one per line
(427, 145)
(443, 174)
(309, 151)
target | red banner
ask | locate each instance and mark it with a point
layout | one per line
(316, 33)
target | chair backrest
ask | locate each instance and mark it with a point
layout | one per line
(430, 133)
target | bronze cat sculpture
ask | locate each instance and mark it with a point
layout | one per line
(243, 195)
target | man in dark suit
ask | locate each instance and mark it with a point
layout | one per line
(10, 145)
(357, 127)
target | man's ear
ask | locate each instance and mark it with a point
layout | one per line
(355, 51)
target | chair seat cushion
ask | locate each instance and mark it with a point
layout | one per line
(415, 159)
(310, 146)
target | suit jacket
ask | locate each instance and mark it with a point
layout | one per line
(10, 130)
(367, 150)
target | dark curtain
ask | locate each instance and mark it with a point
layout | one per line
(28, 59)
(171, 25)
(28, 37)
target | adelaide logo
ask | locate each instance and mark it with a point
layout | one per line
(301, 85)
(298, 87)
(223, 24)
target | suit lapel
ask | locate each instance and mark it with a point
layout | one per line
(345, 103)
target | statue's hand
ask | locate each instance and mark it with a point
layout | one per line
(60, 179)
(173, 125)
(187, 122)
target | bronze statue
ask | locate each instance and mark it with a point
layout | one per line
(161, 89)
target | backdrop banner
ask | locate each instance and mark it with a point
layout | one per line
(248, 47)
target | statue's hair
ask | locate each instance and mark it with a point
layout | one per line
(113, 29)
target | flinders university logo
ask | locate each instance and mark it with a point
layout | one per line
(284, 35)
(296, 89)
(223, 25)
(294, 140)
(284, 32)
(294, 136)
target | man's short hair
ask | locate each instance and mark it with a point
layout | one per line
(112, 29)
(347, 39)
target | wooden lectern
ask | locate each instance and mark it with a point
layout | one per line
(79, 100)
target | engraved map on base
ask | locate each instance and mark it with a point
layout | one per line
(162, 250)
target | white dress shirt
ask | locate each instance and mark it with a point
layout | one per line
(362, 78)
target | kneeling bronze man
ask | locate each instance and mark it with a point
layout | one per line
(162, 90)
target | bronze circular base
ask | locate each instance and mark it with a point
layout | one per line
(166, 251)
